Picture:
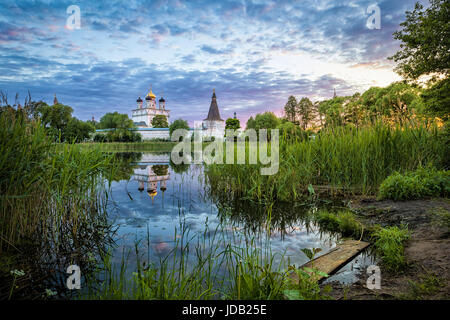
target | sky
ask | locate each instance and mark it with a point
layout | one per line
(255, 54)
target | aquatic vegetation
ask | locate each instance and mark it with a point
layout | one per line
(52, 198)
(423, 182)
(217, 270)
(343, 221)
(305, 285)
(338, 161)
(390, 245)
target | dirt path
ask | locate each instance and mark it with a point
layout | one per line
(427, 252)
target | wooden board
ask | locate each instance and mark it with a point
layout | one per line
(336, 258)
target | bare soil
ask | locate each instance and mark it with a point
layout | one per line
(427, 252)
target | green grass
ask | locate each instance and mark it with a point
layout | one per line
(339, 161)
(343, 222)
(441, 217)
(216, 270)
(45, 191)
(427, 285)
(52, 201)
(390, 245)
(421, 183)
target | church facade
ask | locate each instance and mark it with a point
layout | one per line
(143, 115)
(147, 109)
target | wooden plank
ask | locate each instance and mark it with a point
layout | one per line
(336, 258)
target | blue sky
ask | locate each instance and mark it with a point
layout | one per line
(254, 53)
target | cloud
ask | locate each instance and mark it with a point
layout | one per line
(188, 48)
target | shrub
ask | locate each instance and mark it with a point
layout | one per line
(343, 222)
(389, 244)
(424, 182)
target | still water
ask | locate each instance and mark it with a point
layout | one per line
(155, 200)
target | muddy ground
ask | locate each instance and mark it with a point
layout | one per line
(427, 252)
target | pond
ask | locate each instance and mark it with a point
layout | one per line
(155, 205)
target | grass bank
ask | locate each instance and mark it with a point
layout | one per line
(340, 160)
(52, 199)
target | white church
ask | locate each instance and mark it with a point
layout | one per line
(143, 115)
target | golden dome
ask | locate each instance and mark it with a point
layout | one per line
(151, 94)
(152, 193)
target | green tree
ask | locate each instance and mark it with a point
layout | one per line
(291, 132)
(267, 120)
(178, 124)
(160, 121)
(305, 112)
(115, 120)
(437, 99)
(56, 116)
(425, 37)
(250, 123)
(332, 109)
(77, 130)
(290, 109)
(232, 123)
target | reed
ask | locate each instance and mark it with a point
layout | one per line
(47, 193)
(338, 161)
(214, 267)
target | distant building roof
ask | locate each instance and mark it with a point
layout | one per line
(213, 114)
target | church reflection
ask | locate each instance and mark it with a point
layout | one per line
(150, 173)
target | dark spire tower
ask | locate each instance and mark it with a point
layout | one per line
(213, 114)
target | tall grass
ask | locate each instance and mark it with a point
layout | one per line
(390, 245)
(340, 160)
(49, 196)
(213, 267)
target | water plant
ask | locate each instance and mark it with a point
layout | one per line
(52, 198)
(216, 266)
(338, 161)
(390, 245)
(423, 182)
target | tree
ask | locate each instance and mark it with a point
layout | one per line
(267, 120)
(437, 99)
(332, 109)
(160, 121)
(250, 123)
(305, 111)
(56, 116)
(291, 132)
(425, 37)
(77, 130)
(178, 124)
(290, 109)
(232, 123)
(115, 121)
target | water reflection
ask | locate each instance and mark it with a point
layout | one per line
(155, 199)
